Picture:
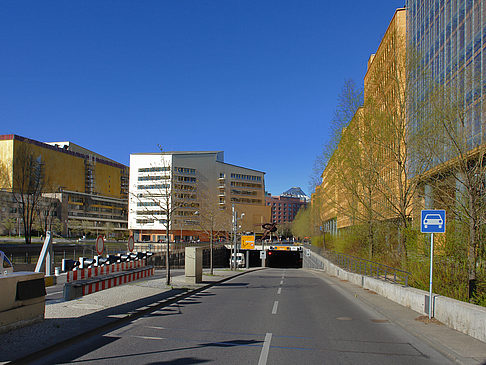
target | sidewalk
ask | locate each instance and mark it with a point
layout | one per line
(455, 345)
(66, 320)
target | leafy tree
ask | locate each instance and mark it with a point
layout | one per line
(9, 224)
(284, 230)
(460, 168)
(301, 225)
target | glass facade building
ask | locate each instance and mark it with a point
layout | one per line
(449, 37)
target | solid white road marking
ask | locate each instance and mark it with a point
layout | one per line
(57, 292)
(265, 349)
(279, 290)
(281, 282)
(275, 306)
(149, 338)
(156, 328)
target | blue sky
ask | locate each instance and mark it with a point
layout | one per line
(256, 79)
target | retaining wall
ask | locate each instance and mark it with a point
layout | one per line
(464, 317)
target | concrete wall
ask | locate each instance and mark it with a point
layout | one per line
(17, 313)
(193, 266)
(464, 317)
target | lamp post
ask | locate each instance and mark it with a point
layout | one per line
(233, 261)
(235, 233)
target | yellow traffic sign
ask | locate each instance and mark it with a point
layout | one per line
(247, 242)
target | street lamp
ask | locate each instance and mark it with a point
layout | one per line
(235, 231)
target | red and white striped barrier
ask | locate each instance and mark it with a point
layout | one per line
(119, 280)
(92, 272)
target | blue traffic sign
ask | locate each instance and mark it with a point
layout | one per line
(433, 221)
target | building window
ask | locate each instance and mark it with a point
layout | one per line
(153, 169)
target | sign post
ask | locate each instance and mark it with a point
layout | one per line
(432, 221)
(131, 243)
(100, 245)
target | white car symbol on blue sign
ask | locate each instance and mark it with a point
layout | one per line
(432, 221)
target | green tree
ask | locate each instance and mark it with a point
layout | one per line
(302, 223)
(9, 224)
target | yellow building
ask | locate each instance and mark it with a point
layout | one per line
(92, 190)
(364, 175)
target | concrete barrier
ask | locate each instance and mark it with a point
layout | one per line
(463, 317)
(82, 274)
(79, 288)
(193, 265)
(22, 299)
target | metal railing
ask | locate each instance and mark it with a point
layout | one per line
(366, 267)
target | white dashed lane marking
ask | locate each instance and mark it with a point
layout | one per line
(265, 349)
(275, 306)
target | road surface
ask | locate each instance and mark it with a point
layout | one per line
(272, 316)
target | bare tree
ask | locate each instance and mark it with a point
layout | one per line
(157, 200)
(348, 102)
(45, 213)
(26, 181)
(212, 219)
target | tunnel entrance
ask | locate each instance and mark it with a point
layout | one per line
(284, 259)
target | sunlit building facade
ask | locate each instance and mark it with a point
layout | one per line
(450, 39)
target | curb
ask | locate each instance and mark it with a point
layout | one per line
(133, 314)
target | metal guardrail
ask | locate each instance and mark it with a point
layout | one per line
(365, 267)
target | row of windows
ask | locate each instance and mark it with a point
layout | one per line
(285, 211)
(184, 187)
(186, 205)
(246, 177)
(243, 192)
(147, 204)
(153, 178)
(154, 186)
(246, 200)
(150, 221)
(154, 169)
(285, 204)
(185, 170)
(152, 195)
(246, 185)
(185, 213)
(185, 196)
(150, 212)
(186, 179)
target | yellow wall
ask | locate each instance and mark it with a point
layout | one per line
(6, 157)
(107, 180)
(65, 170)
(62, 170)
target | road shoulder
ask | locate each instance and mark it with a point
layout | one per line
(456, 346)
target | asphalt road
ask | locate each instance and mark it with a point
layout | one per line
(273, 316)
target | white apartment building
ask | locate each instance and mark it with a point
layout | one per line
(183, 182)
